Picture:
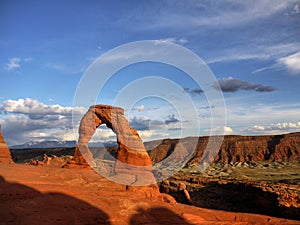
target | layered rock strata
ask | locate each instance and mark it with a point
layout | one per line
(234, 149)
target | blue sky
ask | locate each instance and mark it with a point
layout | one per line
(252, 48)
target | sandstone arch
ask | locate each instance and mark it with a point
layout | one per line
(132, 158)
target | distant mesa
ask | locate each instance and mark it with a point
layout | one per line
(5, 156)
(133, 163)
(234, 149)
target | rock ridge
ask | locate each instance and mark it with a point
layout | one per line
(280, 148)
(5, 156)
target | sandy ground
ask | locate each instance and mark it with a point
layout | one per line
(49, 196)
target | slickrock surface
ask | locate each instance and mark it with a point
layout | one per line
(32, 195)
(4, 151)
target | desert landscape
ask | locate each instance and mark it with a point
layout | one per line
(143, 112)
(50, 188)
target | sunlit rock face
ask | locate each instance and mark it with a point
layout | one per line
(132, 158)
(5, 156)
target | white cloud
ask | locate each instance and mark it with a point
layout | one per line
(26, 119)
(140, 108)
(180, 41)
(205, 13)
(148, 135)
(220, 131)
(274, 128)
(14, 63)
(142, 123)
(228, 130)
(145, 134)
(256, 52)
(34, 107)
(284, 126)
(37, 135)
(104, 134)
(292, 62)
(258, 127)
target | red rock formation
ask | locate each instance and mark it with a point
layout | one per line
(5, 156)
(34, 196)
(132, 157)
(235, 148)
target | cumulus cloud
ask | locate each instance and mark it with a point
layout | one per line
(220, 131)
(34, 107)
(139, 108)
(282, 127)
(231, 84)
(150, 129)
(142, 123)
(13, 63)
(19, 129)
(29, 118)
(292, 62)
(150, 135)
(145, 134)
(104, 134)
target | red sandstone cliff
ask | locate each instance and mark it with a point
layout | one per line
(234, 148)
(4, 151)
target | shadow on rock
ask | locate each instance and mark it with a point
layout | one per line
(157, 216)
(20, 204)
(237, 197)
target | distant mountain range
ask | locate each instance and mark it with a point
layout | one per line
(58, 144)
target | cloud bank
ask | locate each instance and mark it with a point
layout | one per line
(285, 127)
(29, 119)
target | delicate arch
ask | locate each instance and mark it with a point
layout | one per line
(132, 156)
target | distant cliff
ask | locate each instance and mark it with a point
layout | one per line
(234, 148)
